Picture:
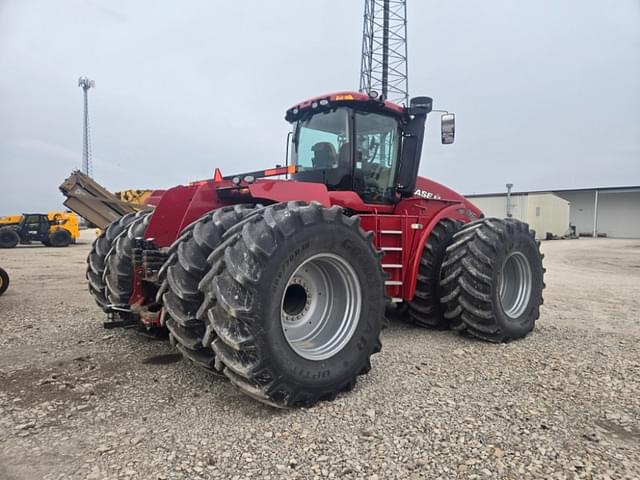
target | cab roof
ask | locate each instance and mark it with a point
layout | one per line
(357, 99)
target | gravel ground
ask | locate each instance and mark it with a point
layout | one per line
(78, 401)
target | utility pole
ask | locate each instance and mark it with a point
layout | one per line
(86, 84)
(509, 187)
(383, 66)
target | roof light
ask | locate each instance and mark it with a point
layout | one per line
(314, 105)
(373, 94)
(249, 178)
(236, 180)
(324, 102)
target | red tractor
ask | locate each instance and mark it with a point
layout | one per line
(282, 283)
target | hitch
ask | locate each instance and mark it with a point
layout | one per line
(118, 320)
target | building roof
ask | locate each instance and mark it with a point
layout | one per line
(623, 189)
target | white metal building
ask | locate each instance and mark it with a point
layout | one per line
(608, 211)
(543, 211)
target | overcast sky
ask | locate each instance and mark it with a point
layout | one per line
(546, 92)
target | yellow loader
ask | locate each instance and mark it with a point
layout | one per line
(53, 229)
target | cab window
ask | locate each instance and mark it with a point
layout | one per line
(322, 150)
(377, 149)
(320, 139)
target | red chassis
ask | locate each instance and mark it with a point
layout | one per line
(400, 230)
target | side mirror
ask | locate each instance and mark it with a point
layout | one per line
(448, 127)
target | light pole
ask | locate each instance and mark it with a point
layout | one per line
(86, 84)
(509, 187)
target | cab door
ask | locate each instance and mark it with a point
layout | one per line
(36, 227)
(377, 148)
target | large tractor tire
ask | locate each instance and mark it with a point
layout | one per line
(493, 280)
(182, 272)
(9, 238)
(425, 309)
(96, 258)
(118, 271)
(60, 238)
(294, 304)
(4, 281)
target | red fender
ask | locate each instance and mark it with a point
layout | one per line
(275, 191)
(420, 240)
(177, 208)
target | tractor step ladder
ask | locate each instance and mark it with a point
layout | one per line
(390, 241)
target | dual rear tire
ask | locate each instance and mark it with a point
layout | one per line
(118, 274)
(100, 249)
(291, 303)
(185, 267)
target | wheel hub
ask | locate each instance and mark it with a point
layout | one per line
(320, 307)
(516, 282)
(297, 299)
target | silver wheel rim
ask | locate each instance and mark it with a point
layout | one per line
(515, 284)
(320, 306)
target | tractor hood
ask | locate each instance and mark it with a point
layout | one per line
(432, 190)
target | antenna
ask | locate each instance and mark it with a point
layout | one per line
(383, 66)
(86, 84)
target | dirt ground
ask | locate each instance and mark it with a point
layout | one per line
(78, 401)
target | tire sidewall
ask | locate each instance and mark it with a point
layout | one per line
(525, 244)
(341, 240)
(6, 234)
(60, 238)
(4, 281)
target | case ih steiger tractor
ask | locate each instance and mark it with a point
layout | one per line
(281, 283)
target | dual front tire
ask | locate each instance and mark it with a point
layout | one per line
(492, 280)
(483, 279)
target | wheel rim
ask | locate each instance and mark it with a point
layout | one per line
(320, 307)
(515, 284)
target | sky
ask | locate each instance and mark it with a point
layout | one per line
(546, 92)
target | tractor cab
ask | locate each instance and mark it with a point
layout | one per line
(34, 227)
(357, 142)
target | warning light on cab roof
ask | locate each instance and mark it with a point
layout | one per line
(343, 97)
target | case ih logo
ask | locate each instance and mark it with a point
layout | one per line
(427, 195)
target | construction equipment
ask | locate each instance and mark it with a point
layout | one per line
(4, 280)
(135, 196)
(10, 220)
(98, 205)
(279, 278)
(53, 229)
